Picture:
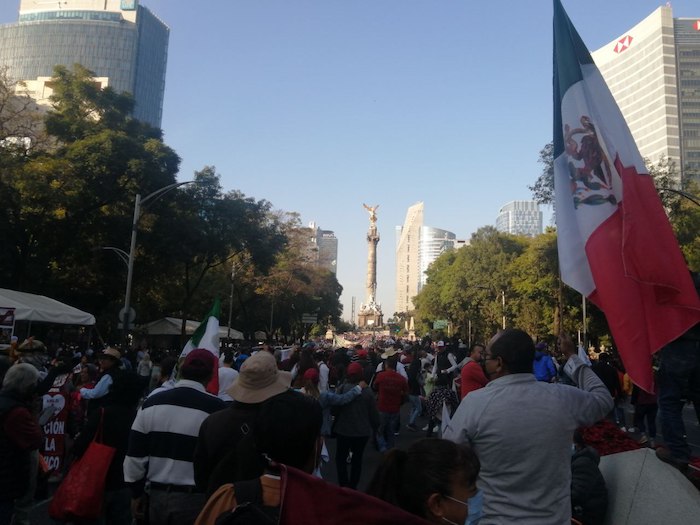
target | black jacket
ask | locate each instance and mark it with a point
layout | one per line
(589, 495)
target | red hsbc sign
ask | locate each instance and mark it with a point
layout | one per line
(623, 43)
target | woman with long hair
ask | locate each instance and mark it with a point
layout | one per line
(434, 479)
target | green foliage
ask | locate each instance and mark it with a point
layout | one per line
(67, 195)
(543, 189)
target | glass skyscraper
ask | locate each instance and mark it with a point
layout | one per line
(116, 39)
(520, 218)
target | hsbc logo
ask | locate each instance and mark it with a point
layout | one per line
(697, 25)
(625, 42)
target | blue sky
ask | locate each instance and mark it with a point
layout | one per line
(321, 105)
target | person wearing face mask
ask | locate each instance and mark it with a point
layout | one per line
(434, 479)
(521, 429)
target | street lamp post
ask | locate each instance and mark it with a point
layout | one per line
(503, 304)
(230, 303)
(138, 204)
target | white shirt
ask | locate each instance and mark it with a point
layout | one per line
(226, 378)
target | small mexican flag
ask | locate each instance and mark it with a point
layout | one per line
(207, 336)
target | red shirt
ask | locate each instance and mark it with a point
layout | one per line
(392, 388)
(473, 378)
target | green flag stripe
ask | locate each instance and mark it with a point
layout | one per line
(202, 328)
(569, 54)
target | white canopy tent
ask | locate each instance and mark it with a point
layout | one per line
(173, 326)
(42, 309)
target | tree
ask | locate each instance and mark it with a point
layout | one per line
(465, 286)
(77, 194)
(204, 229)
(543, 189)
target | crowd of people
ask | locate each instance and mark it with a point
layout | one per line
(501, 440)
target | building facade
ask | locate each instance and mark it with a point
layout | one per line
(433, 243)
(520, 218)
(119, 40)
(653, 72)
(407, 258)
(417, 247)
(325, 248)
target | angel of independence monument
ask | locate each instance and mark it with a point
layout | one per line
(370, 315)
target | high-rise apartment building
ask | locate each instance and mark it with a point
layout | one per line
(122, 42)
(417, 246)
(520, 218)
(325, 247)
(653, 71)
(407, 258)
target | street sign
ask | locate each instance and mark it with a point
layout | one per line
(440, 324)
(309, 318)
(123, 317)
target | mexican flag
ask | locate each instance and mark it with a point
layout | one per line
(207, 336)
(616, 246)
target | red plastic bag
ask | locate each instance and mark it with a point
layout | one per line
(81, 493)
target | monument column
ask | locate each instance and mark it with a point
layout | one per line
(371, 309)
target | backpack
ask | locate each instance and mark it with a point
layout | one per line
(249, 506)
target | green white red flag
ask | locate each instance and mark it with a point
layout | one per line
(207, 336)
(616, 245)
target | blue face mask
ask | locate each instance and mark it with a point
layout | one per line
(475, 508)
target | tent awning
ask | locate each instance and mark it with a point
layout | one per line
(42, 309)
(173, 326)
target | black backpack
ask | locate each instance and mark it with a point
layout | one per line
(249, 507)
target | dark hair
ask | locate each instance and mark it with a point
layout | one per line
(125, 391)
(408, 478)
(390, 362)
(473, 346)
(516, 348)
(578, 438)
(167, 365)
(287, 428)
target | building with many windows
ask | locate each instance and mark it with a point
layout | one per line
(122, 42)
(417, 247)
(325, 248)
(433, 243)
(520, 218)
(653, 72)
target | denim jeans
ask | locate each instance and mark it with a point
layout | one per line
(416, 409)
(387, 426)
(346, 444)
(174, 508)
(679, 380)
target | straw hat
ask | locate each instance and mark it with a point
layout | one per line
(112, 353)
(259, 379)
(389, 352)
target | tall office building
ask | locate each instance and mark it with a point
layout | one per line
(325, 247)
(122, 42)
(433, 243)
(407, 258)
(417, 246)
(653, 71)
(520, 218)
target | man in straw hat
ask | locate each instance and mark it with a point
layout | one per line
(109, 361)
(215, 458)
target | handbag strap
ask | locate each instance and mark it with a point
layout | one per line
(98, 434)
